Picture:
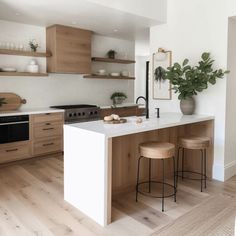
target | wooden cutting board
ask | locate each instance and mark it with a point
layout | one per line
(121, 121)
(12, 100)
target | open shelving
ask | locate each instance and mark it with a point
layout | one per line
(110, 60)
(108, 77)
(22, 74)
(24, 53)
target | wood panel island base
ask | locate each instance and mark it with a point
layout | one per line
(100, 160)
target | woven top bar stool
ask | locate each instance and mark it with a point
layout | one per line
(156, 151)
(194, 143)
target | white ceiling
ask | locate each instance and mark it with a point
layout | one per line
(100, 17)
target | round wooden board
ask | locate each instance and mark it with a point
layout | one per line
(121, 121)
(12, 100)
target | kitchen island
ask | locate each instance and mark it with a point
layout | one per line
(100, 160)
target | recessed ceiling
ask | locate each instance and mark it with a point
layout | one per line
(80, 13)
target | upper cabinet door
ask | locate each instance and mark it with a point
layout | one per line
(70, 48)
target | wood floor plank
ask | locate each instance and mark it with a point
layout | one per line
(32, 203)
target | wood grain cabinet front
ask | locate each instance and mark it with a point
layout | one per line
(47, 133)
(70, 48)
(14, 151)
(47, 146)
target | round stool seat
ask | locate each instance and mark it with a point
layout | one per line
(194, 142)
(157, 150)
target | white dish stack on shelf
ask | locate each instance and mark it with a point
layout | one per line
(33, 67)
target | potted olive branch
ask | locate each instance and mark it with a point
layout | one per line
(118, 98)
(188, 80)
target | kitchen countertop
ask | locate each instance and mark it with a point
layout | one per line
(114, 130)
(29, 111)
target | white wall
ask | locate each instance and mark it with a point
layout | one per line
(62, 88)
(230, 130)
(155, 9)
(194, 27)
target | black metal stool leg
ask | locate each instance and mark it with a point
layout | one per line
(205, 168)
(150, 171)
(174, 178)
(163, 184)
(177, 171)
(138, 178)
(183, 153)
(202, 161)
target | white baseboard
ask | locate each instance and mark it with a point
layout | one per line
(230, 170)
(218, 172)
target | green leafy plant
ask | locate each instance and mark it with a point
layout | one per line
(111, 54)
(33, 45)
(2, 101)
(190, 80)
(118, 94)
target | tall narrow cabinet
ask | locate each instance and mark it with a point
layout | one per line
(70, 48)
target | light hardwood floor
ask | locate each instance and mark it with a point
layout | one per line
(31, 203)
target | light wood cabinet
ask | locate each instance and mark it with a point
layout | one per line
(47, 133)
(14, 151)
(70, 48)
(47, 146)
(46, 137)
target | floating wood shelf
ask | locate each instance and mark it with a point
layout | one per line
(109, 60)
(108, 77)
(22, 74)
(24, 53)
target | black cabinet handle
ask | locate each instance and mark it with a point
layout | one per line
(48, 144)
(12, 150)
(48, 128)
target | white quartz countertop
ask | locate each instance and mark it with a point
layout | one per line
(165, 121)
(29, 111)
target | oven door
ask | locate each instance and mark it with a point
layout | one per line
(14, 132)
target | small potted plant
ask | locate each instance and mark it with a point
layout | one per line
(118, 98)
(2, 101)
(33, 45)
(111, 54)
(188, 80)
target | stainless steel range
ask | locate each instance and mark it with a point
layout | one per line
(80, 113)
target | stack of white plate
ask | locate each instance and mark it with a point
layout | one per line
(8, 69)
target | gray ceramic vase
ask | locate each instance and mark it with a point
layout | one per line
(187, 106)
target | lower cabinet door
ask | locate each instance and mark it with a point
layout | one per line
(47, 146)
(14, 151)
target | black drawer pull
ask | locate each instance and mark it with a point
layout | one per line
(48, 128)
(48, 124)
(12, 150)
(48, 114)
(48, 144)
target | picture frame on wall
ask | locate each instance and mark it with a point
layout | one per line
(161, 86)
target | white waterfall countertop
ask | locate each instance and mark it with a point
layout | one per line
(165, 121)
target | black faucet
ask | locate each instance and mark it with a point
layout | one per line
(146, 105)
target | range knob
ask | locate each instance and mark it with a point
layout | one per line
(75, 114)
(70, 115)
(79, 114)
(91, 113)
(83, 113)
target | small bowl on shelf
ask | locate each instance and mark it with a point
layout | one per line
(116, 74)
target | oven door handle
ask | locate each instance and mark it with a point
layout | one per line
(15, 123)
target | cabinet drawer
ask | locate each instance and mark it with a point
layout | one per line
(47, 146)
(48, 129)
(48, 117)
(14, 151)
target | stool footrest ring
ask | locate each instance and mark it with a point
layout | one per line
(178, 173)
(155, 196)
